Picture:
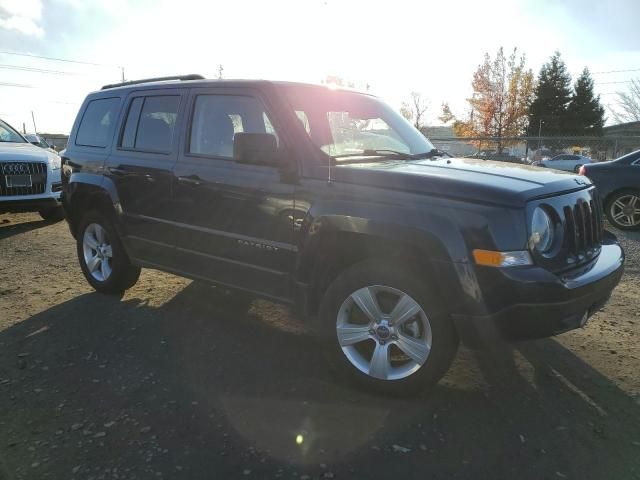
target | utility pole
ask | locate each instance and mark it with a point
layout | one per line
(122, 72)
(539, 133)
(35, 130)
(24, 128)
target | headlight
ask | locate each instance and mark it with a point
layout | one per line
(55, 162)
(541, 231)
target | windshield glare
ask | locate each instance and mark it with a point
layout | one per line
(8, 134)
(348, 123)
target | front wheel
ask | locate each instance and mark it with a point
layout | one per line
(623, 209)
(385, 327)
(102, 257)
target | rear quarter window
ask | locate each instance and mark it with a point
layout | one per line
(98, 121)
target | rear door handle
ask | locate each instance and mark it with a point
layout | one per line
(193, 180)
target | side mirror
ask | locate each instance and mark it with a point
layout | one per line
(255, 148)
(36, 143)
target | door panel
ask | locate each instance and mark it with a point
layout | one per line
(141, 166)
(235, 220)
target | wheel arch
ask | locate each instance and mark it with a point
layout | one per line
(86, 192)
(610, 195)
(334, 244)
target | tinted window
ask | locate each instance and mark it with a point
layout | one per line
(96, 126)
(217, 118)
(150, 123)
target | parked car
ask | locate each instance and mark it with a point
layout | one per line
(38, 141)
(391, 253)
(618, 183)
(565, 161)
(499, 157)
(29, 176)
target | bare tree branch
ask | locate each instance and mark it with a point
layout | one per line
(628, 104)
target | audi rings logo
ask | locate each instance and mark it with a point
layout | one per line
(15, 169)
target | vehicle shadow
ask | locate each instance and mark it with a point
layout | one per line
(219, 390)
(10, 229)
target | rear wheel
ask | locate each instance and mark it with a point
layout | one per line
(54, 214)
(385, 328)
(102, 257)
(623, 209)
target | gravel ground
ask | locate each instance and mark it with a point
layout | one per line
(174, 380)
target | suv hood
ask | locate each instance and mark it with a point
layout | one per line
(468, 179)
(22, 152)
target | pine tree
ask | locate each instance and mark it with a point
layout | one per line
(586, 114)
(549, 110)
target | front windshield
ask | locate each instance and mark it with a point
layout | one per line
(347, 124)
(8, 134)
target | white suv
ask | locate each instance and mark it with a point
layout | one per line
(29, 176)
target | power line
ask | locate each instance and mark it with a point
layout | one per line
(59, 59)
(20, 85)
(617, 71)
(611, 83)
(38, 70)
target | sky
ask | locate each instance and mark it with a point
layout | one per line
(393, 47)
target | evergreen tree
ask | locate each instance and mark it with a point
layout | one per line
(549, 110)
(586, 114)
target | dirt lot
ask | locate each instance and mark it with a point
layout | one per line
(174, 381)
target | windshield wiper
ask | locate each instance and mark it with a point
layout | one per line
(433, 153)
(386, 154)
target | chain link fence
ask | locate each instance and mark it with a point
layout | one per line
(532, 149)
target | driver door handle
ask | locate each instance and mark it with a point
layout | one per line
(193, 180)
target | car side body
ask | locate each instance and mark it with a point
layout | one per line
(618, 182)
(566, 161)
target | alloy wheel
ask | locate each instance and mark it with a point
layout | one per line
(98, 253)
(384, 332)
(625, 210)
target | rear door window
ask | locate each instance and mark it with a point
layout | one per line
(96, 126)
(151, 123)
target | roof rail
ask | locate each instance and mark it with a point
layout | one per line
(192, 76)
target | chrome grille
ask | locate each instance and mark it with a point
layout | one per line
(37, 171)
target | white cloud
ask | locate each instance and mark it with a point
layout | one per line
(22, 16)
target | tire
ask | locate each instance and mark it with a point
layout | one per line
(576, 169)
(54, 214)
(97, 230)
(623, 209)
(386, 283)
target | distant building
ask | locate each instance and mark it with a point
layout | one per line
(622, 138)
(56, 140)
(446, 140)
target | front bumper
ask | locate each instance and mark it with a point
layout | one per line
(30, 204)
(531, 302)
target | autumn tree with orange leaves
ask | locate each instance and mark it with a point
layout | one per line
(503, 89)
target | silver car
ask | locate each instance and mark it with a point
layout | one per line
(38, 141)
(566, 161)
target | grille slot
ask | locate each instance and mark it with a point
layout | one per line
(37, 170)
(583, 229)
